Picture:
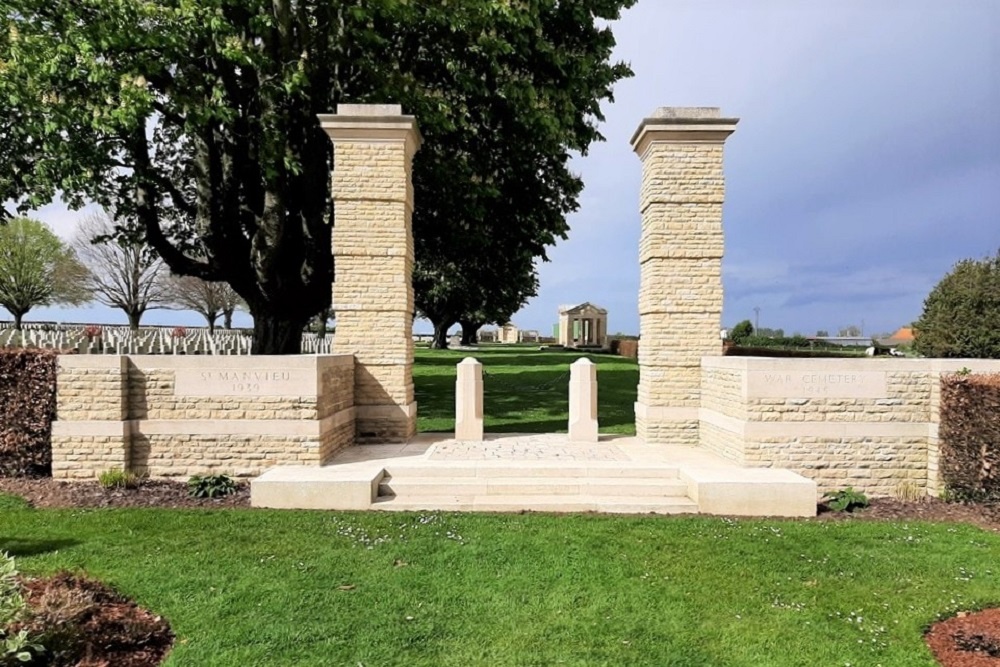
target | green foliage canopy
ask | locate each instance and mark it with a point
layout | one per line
(961, 316)
(196, 120)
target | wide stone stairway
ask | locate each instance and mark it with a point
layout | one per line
(545, 473)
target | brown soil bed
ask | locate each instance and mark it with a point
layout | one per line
(84, 623)
(967, 640)
(48, 492)
(983, 515)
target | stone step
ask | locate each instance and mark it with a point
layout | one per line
(550, 469)
(405, 486)
(539, 503)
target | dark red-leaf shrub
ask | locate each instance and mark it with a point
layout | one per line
(969, 434)
(27, 408)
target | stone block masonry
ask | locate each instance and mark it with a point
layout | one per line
(867, 423)
(373, 148)
(177, 416)
(680, 257)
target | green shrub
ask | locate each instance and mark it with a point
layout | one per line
(741, 332)
(961, 316)
(116, 478)
(211, 486)
(15, 647)
(845, 500)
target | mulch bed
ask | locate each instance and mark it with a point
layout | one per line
(967, 640)
(48, 492)
(84, 623)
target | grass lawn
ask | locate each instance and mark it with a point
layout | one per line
(524, 390)
(255, 587)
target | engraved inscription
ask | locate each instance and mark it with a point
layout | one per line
(817, 384)
(228, 382)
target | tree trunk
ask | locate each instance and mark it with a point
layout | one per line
(17, 320)
(227, 319)
(277, 335)
(469, 332)
(133, 319)
(440, 341)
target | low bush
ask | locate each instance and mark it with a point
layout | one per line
(116, 478)
(16, 646)
(845, 500)
(211, 486)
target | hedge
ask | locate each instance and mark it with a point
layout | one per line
(969, 435)
(27, 408)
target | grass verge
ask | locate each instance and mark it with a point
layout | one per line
(254, 587)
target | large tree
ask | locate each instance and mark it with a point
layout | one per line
(199, 121)
(37, 269)
(961, 316)
(123, 272)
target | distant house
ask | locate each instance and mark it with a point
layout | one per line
(903, 336)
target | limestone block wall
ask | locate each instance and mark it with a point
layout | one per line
(866, 423)
(176, 416)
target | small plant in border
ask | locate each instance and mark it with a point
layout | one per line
(845, 500)
(116, 478)
(15, 648)
(211, 486)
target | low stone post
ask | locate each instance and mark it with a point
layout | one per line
(583, 401)
(469, 400)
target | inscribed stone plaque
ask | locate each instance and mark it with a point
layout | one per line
(816, 384)
(244, 382)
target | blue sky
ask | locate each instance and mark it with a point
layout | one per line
(865, 164)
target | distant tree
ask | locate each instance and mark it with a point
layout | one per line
(770, 333)
(822, 333)
(961, 316)
(37, 269)
(850, 331)
(123, 273)
(210, 299)
(741, 332)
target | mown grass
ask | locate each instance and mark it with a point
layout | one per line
(255, 587)
(524, 390)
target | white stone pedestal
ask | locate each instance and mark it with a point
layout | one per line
(469, 400)
(583, 401)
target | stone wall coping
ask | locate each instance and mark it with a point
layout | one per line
(371, 128)
(234, 362)
(822, 364)
(91, 361)
(700, 129)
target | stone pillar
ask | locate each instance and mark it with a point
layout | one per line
(583, 401)
(469, 400)
(91, 432)
(680, 258)
(373, 147)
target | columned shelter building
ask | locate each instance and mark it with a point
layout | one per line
(583, 325)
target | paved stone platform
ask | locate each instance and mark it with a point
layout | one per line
(540, 472)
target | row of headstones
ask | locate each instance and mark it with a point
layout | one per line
(582, 401)
(123, 340)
